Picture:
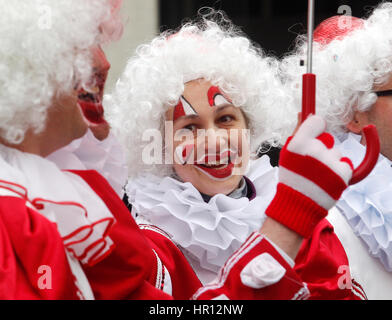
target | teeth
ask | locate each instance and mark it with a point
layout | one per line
(91, 89)
(214, 165)
(94, 90)
(220, 163)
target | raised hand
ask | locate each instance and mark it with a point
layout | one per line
(312, 177)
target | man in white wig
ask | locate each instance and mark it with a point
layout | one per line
(220, 223)
(352, 60)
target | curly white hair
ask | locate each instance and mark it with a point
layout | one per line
(212, 48)
(44, 51)
(347, 69)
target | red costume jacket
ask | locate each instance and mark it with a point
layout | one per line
(136, 268)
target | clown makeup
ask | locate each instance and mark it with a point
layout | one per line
(182, 109)
(91, 95)
(217, 98)
(209, 139)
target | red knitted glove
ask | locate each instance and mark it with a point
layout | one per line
(312, 177)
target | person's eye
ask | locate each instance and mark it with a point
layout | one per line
(191, 127)
(226, 119)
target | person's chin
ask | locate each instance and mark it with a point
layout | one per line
(212, 187)
(81, 130)
(207, 184)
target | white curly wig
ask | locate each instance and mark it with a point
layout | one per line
(212, 48)
(44, 51)
(347, 68)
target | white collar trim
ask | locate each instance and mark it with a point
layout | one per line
(207, 232)
(367, 205)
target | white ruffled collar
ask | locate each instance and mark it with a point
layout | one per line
(88, 153)
(82, 218)
(367, 205)
(206, 232)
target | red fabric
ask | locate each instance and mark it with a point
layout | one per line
(318, 263)
(229, 281)
(295, 210)
(313, 170)
(122, 274)
(336, 28)
(28, 241)
(178, 267)
(327, 139)
(348, 161)
(109, 278)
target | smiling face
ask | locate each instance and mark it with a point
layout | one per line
(210, 142)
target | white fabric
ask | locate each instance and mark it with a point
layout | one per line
(306, 187)
(221, 297)
(302, 294)
(367, 205)
(305, 143)
(253, 240)
(88, 153)
(81, 216)
(262, 271)
(163, 279)
(207, 233)
(284, 255)
(81, 281)
(366, 270)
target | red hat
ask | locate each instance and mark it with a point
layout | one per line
(334, 28)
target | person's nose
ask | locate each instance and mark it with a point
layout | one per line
(101, 62)
(216, 139)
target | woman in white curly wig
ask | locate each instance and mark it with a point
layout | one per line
(61, 233)
(191, 107)
(352, 60)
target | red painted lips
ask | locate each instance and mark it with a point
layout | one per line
(219, 172)
(93, 112)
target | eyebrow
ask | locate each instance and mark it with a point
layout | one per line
(224, 106)
(187, 117)
(196, 116)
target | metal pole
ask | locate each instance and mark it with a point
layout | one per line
(310, 35)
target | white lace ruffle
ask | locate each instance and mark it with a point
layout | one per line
(208, 232)
(88, 153)
(367, 205)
